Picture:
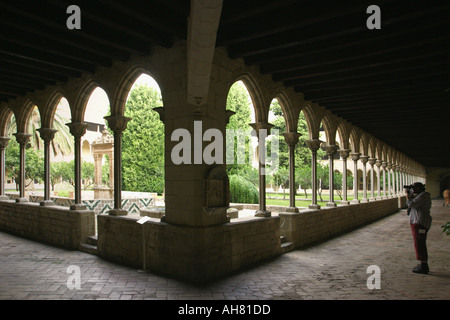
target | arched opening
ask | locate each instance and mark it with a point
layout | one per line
(242, 148)
(143, 171)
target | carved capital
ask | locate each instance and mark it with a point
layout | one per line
(22, 138)
(384, 164)
(355, 156)
(314, 144)
(378, 163)
(331, 150)
(77, 129)
(344, 153)
(259, 126)
(117, 123)
(291, 138)
(372, 161)
(47, 134)
(364, 159)
(4, 142)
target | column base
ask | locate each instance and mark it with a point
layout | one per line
(364, 200)
(263, 213)
(78, 206)
(344, 203)
(314, 206)
(354, 201)
(292, 209)
(3, 198)
(118, 212)
(331, 204)
(47, 203)
(20, 200)
(372, 199)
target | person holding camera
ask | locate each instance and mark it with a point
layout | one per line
(419, 205)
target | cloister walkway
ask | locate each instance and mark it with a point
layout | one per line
(332, 270)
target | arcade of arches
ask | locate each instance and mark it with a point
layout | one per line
(196, 240)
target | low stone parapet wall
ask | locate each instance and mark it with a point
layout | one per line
(311, 226)
(55, 225)
(194, 254)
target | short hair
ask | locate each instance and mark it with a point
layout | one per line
(420, 185)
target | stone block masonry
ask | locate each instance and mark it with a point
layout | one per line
(311, 226)
(196, 254)
(53, 225)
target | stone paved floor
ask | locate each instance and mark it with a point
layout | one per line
(333, 270)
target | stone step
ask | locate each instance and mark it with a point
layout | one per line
(88, 248)
(92, 240)
(287, 246)
(283, 239)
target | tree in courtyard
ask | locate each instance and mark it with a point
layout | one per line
(143, 142)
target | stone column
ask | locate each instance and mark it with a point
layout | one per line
(77, 129)
(47, 135)
(117, 124)
(396, 185)
(3, 144)
(98, 169)
(355, 157)
(262, 129)
(111, 170)
(344, 153)
(384, 165)
(291, 139)
(389, 166)
(331, 151)
(372, 178)
(378, 164)
(22, 139)
(314, 145)
(364, 160)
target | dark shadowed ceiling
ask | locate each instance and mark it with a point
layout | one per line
(392, 82)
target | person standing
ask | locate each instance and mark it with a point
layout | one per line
(420, 219)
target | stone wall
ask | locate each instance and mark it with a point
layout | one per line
(55, 225)
(190, 253)
(311, 226)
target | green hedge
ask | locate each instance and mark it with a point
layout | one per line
(242, 190)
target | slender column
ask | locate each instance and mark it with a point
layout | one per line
(396, 185)
(261, 129)
(117, 124)
(372, 180)
(77, 129)
(384, 165)
(344, 153)
(3, 144)
(98, 170)
(314, 145)
(378, 163)
(364, 160)
(111, 170)
(331, 151)
(47, 135)
(22, 139)
(291, 139)
(355, 157)
(389, 166)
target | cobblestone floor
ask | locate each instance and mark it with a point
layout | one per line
(333, 270)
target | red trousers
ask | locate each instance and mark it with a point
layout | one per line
(420, 241)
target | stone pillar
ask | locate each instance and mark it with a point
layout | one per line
(372, 162)
(355, 157)
(378, 164)
(262, 129)
(344, 153)
(117, 124)
(47, 135)
(111, 170)
(77, 129)
(396, 185)
(384, 165)
(314, 145)
(3, 144)
(22, 139)
(98, 169)
(331, 151)
(291, 139)
(389, 166)
(364, 160)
